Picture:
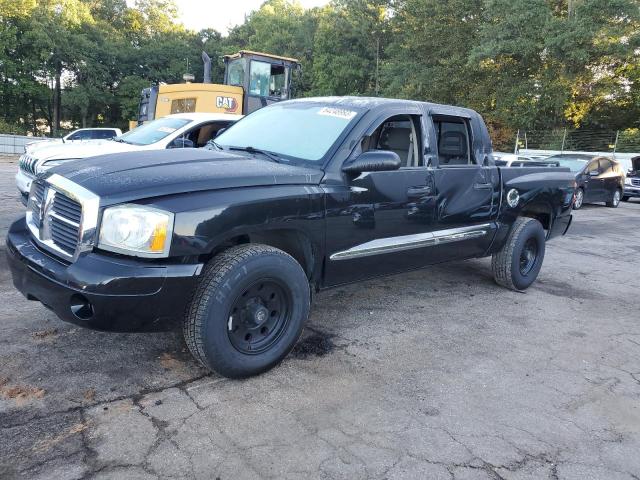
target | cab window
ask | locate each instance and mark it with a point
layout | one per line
(236, 72)
(267, 80)
(454, 141)
(400, 134)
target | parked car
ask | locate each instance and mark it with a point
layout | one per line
(80, 135)
(299, 196)
(632, 181)
(599, 179)
(514, 160)
(183, 130)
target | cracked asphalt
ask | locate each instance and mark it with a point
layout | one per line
(433, 374)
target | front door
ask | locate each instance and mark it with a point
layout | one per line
(382, 222)
(593, 183)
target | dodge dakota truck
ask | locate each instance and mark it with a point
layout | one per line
(297, 197)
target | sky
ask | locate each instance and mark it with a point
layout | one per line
(223, 14)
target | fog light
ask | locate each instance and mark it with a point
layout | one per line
(81, 307)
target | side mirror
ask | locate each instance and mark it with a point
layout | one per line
(594, 173)
(181, 142)
(373, 161)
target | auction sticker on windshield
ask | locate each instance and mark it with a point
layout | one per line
(337, 112)
(166, 129)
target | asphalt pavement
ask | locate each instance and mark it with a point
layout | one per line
(437, 373)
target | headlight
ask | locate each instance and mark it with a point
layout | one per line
(136, 230)
(627, 181)
(50, 164)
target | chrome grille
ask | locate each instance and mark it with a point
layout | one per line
(64, 222)
(635, 181)
(35, 204)
(27, 164)
(62, 216)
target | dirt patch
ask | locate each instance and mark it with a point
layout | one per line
(47, 444)
(22, 394)
(47, 334)
(315, 345)
(89, 394)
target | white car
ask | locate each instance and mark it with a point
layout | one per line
(80, 135)
(183, 130)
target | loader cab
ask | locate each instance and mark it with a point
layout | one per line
(264, 78)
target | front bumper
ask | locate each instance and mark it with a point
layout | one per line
(23, 182)
(631, 191)
(100, 291)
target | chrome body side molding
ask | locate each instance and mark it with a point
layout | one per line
(410, 242)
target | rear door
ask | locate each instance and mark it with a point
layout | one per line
(610, 179)
(467, 187)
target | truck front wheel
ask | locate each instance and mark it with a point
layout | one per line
(248, 310)
(517, 264)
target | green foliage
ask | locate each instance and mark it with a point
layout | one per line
(524, 64)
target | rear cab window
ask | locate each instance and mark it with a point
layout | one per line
(454, 141)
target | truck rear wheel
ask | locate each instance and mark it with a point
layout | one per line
(248, 310)
(517, 265)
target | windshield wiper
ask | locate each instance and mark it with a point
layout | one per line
(213, 142)
(273, 157)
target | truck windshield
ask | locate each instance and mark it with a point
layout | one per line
(297, 131)
(153, 132)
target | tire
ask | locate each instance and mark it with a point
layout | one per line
(248, 310)
(579, 200)
(625, 198)
(526, 238)
(614, 201)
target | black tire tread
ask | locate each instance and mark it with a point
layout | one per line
(609, 203)
(211, 280)
(501, 261)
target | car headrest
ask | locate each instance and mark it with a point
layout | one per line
(395, 139)
(453, 144)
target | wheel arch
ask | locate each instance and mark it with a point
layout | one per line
(293, 241)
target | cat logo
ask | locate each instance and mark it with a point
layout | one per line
(228, 103)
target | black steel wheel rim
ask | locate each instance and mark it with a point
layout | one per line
(528, 256)
(259, 316)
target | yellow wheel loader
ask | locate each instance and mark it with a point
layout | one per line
(252, 80)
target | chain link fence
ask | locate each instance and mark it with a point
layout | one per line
(610, 141)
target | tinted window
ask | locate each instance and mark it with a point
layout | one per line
(103, 134)
(296, 131)
(154, 131)
(605, 166)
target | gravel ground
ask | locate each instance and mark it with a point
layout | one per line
(433, 374)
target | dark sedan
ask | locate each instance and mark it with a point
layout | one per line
(599, 179)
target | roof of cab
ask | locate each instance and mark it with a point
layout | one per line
(371, 103)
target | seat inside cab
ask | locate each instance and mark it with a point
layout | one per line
(397, 135)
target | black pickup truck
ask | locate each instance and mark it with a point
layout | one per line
(296, 197)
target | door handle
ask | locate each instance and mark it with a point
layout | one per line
(417, 191)
(483, 186)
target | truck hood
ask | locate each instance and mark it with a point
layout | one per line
(137, 175)
(84, 149)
